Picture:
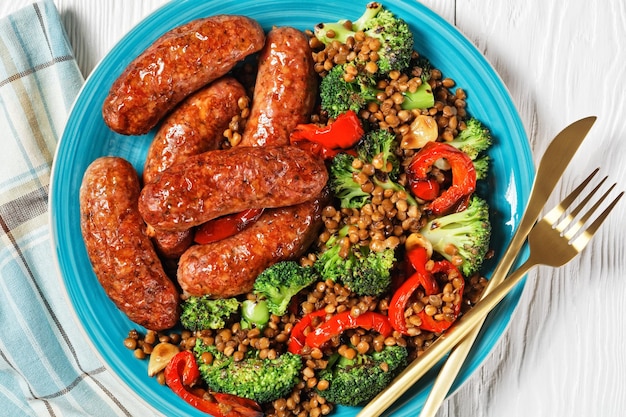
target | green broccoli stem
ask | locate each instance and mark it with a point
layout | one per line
(337, 31)
(390, 185)
(340, 30)
(422, 98)
(254, 314)
(371, 10)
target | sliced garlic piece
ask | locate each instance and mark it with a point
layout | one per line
(415, 240)
(161, 355)
(422, 130)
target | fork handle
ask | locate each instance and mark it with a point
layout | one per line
(435, 352)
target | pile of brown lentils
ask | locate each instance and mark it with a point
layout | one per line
(385, 222)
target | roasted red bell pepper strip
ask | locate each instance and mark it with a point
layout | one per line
(428, 322)
(340, 322)
(182, 372)
(463, 174)
(418, 258)
(424, 278)
(420, 278)
(298, 338)
(182, 369)
(225, 226)
(426, 190)
(343, 133)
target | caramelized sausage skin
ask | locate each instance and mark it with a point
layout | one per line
(228, 267)
(220, 182)
(175, 65)
(195, 126)
(285, 90)
(122, 255)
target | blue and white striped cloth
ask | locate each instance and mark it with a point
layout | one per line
(46, 366)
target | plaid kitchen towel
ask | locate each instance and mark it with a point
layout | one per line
(46, 366)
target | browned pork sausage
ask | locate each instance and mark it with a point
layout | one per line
(229, 267)
(285, 89)
(122, 256)
(221, 182)
(175, 65)
(195, 126)
(171, 245)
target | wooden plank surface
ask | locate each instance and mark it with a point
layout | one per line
(562, 355)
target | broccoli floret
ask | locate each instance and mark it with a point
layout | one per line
(342, 182)
(474, 139)
(380, 144)
(371, 271)
(396, 40)
(202, 313)
(354, 382)
(481, 166)
(466, 234)
(280, 282)
(394, 34)
(363, 271)
(339, 95)
(348, 190)
(261, 380)
(254, 314)
(330, 264)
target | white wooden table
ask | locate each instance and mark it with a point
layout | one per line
(563, 354)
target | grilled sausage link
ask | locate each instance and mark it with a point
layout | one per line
(195, 126)
(122, 256)
(175, 65)
(285, 89)
(221, 182)
(229, 267)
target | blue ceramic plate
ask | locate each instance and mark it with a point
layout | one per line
(86, 138)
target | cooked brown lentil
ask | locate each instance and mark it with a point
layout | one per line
(233, 133)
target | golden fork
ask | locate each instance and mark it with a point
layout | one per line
(554, 240)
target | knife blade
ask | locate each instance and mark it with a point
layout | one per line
(551, 167)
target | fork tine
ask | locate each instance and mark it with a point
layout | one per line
(581, 241)
(555, 214)
(570, 217)
(571, 232)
